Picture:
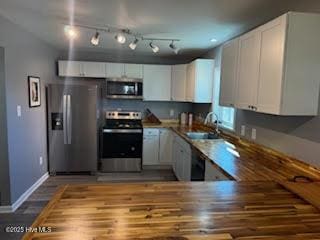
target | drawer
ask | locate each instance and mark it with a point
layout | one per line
(150, 132)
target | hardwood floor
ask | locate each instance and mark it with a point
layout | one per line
(29, 210)
(178, 210)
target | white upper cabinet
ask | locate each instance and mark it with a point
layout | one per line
(179, 82)
(81, 69)
(271, 66)
(94, 69)
(114, 70)
(118, 70)
(157, 83)
(229, 64)
(248, 70)
(200, 81)
(278, 70)
(133, 70)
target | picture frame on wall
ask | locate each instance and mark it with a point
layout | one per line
(34, 91)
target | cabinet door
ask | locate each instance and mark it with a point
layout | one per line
(248, 71)
(186, 165)
(70, 69)
(212, 173)
(115, 70)
(175, 154)
(190, 82)
(204, 69)
(271, 66)
(94, 69)
(157, 83)
(228, 81)
(133, 70)
(179, 81)
(165, 151)
(150, 150)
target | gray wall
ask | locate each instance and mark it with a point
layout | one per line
(4, 161)
(126, 57)
(25, 55)
(160, 109)
(296, 136)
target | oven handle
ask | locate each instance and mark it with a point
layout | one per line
(122, 130)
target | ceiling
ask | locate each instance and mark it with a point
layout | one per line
(195, 22)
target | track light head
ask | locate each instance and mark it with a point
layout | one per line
(120, 38)
(95, 39)
(71, 32)
(154, 48)
(174, 48)
(133, 45)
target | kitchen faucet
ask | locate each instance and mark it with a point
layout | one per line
(217, 120)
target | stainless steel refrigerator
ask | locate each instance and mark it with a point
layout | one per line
(72, 128)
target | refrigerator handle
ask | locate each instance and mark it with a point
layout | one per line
(69, 119)
(65, 125)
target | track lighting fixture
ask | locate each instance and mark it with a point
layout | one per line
(154, 48)
(71, 32)
(133, 45)
(120, 38)
(95, 39)
(174, 47)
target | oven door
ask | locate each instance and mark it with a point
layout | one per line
(124, 89)
(122, 150)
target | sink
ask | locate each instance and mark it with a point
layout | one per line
(201, 135)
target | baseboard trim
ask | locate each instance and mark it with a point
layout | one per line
(5, 209)
(24, 196)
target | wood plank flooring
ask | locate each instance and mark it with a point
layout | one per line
(178, 210)
(29, 210)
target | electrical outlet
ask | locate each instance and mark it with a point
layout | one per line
(19, 111)
(243, 130)
(171, 112)
(41, 160)
(254, 134)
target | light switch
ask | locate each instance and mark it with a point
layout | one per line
(19, 111)
(254, 134)
(243, 130)
(41, 160)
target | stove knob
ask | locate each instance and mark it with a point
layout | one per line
(133, 148)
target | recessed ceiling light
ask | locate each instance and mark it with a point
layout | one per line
(71, 32)
(213, 40)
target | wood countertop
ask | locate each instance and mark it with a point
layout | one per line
(178, 210)
(242, 161)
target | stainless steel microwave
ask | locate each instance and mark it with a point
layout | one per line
(124, 88)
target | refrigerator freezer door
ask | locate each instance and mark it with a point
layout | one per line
(57, 138)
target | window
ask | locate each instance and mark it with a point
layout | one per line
(226, 115)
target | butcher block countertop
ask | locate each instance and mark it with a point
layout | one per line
(178, 211)
(241, 160)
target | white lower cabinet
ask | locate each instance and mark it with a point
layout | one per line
(150, 147)
(182, 157)
(157, 147)
(165, 147)
(213, 173)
